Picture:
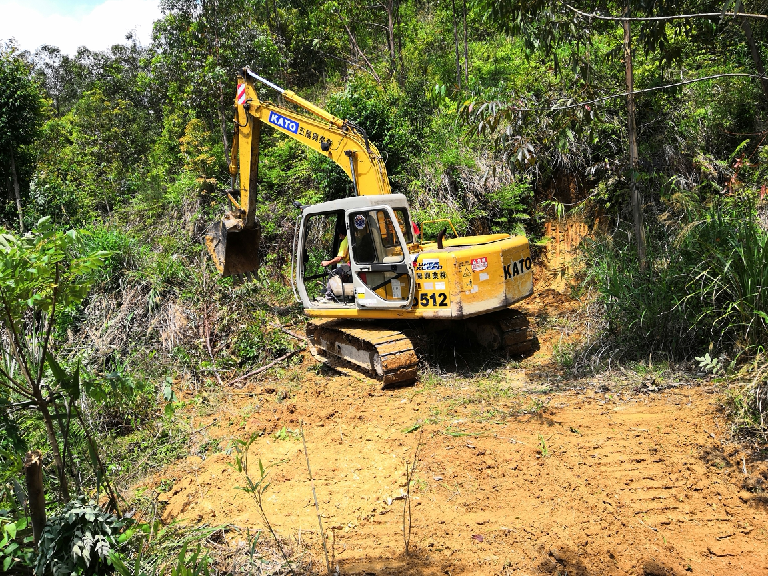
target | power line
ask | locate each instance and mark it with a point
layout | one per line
(641, 91)
(673, 17)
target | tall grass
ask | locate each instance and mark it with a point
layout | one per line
(730, 277)
(705, 286)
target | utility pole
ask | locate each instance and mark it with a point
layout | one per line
(635, 198)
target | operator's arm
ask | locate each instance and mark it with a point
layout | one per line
(342, 255)
(336, 260)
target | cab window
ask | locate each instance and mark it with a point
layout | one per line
(405, 224)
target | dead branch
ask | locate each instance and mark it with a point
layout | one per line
(264, 368)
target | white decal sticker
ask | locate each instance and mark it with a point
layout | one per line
(359, 221)
(396, 288)
(483, 276)
(479, 264)
(475, 288)
(429, 286)
(439, 285)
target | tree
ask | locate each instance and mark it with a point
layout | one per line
(200, 45)
(39, 277)
(555, 27)
(20, 116)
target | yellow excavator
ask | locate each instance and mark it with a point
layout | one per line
(393, 274)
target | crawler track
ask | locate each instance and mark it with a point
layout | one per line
(388, 355)
(507, 330)
(385, 355)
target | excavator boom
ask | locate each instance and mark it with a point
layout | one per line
(234, 241)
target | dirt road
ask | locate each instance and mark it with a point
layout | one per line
(515, 473)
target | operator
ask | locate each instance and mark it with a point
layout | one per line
(342, 271)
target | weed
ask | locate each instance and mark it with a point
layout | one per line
(563, 354)
(15, 544)
(410, 470)
(258, 488)
(429, 379)
(704, 285)
(286, 434)
(413, 427)
(494, 388)
(314, 495)
(435, 416)
(80, 539)
(163, 551)
(709, 364)
(457, 433)
(535, 406)
(747, 397)
(543, 446)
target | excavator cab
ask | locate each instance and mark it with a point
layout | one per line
(382, 271)
(381, 274)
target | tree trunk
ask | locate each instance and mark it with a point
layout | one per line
(636, 199)
(401, 69)
(33, 470)
(42, 405)
(223, 122)
(17, 192)
(756, 58)
(456, 43)
(466, 50)
(357, 49)
(389, 6)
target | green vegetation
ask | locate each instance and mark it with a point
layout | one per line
(703, 285)
(112, 318)
(79, 540)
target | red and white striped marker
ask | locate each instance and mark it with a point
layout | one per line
(241, 98)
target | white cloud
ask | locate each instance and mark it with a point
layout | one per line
(98, 29)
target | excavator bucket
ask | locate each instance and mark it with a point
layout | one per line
(233, 251)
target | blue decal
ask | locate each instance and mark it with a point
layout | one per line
(283, 122)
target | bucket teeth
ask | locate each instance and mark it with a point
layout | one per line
(384, 355)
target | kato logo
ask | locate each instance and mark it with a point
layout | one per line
(517, 267)
(283, 122)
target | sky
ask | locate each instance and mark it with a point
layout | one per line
(96, 24)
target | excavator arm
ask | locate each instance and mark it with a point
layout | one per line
(233, 242)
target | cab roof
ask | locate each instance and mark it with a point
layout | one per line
(393, 200)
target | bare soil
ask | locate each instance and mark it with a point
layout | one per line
(519, 468)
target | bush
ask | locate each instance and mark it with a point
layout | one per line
(727, 283)
(79, 540)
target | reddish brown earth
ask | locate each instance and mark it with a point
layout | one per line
(518, 469)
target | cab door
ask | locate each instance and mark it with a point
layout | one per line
(382, 270)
